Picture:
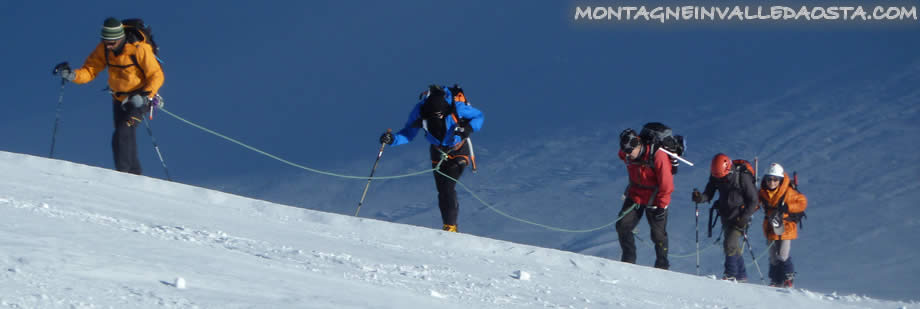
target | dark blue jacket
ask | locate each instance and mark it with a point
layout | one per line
(415, 123)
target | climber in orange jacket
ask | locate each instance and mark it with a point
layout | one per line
(783, 205)
(135, 77)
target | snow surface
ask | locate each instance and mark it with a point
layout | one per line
(76, 236)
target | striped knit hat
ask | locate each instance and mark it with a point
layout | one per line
(112, 29)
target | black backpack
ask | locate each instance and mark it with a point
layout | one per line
(741, 166)
(796, 217)
(137, 31)
(658, 135)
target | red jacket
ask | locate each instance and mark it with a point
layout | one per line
(644, 179)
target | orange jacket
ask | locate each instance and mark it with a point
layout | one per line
(794, 200)
(124, 75)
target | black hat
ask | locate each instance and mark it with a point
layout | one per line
(455, 89)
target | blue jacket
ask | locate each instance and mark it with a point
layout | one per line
(463, 110)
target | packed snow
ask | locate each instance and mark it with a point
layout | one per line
(76, 236)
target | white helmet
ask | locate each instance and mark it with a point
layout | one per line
(775, 170)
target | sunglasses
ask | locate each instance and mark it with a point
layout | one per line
(109, 42)
(631, 144)
(773, 178)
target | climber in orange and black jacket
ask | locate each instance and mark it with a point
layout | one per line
(782, 205)
(135, 76)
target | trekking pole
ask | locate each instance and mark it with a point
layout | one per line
(157, 148)
(756, 170)
(57, 115)
(697, 211)
(756, 167)
(753, 257)
(369, 178)
(472, 154)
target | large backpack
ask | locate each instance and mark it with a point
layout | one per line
(739, 166)
(137, 31)
(796, 217)
(658, 135)
(743, 166)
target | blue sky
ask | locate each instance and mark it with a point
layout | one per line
(317, 81)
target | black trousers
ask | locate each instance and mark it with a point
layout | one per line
(447, 192)
(659, 234)
(124, 142)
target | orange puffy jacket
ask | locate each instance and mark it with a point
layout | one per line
(125, 75)
(794, 200)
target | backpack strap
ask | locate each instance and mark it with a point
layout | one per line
(134, 59)
(134, 62)
(648, 161)
(423, 124)
(713, 220)
(738, 169)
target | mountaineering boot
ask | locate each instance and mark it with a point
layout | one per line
(776, 275)
(734, 269)
(730, 278)
(450, 228)
(789, 271)
(788, 283)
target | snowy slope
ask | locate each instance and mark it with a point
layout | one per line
(76, 236)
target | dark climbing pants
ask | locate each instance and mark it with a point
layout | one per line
(124, 142)
(659, 234)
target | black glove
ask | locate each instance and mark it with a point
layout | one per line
(783, 207)
(63, 69)
(776, 220)
(387, 138)
(59, 67)
(463, 129)
(697, 197)
(659, 213)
